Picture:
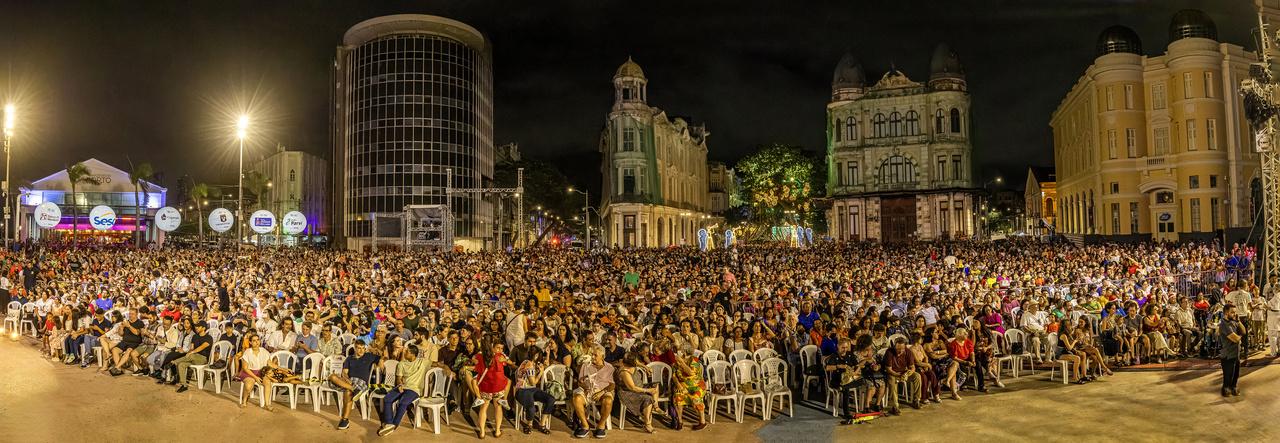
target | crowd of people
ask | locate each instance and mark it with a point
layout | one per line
(889, 324)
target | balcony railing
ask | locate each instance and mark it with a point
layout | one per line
(1155, 161)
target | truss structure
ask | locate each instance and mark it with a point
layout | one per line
(1261, 102)
(517, 191)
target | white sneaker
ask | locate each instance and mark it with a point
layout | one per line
(999, 383)
(477, 403)
(503, 403)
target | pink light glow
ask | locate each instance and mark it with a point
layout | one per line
(88, 227)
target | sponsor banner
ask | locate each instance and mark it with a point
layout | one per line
(168, 219)
(102, 218)
(262, 221)
(294, 223)
(48, 215)
(221, 220)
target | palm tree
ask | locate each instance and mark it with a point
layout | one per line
(141, 172)
(78, 173)
(199, 192)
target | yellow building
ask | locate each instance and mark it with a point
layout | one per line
(1040, 197)
(1157, 146)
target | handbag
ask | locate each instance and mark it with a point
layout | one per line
(556, 390)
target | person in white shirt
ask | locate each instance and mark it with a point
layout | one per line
(1272, 293)
(252, 362)
(1243, 301)
(284, 338)
(1033, 324)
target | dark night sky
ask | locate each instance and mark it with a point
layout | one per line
(155, 81)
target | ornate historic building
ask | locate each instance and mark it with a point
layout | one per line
(1040, 194)
(899, 154)
(1157, 145)
(654, 170)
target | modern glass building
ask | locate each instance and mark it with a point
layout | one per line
(412, 99)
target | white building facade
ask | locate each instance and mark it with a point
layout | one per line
(299, 182)
(900, 161)
(654, 170)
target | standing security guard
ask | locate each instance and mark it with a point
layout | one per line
(1242, 300)
(1272, 294)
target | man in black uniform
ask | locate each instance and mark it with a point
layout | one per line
(845, 361)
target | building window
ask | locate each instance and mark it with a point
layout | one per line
(1164, 197)
(913, 123)
(1162, 141)
(937, 122)
(1186, 85)
(955, 120)
(955, 167)
(293, 175)
(1115, 218)
(628, 181)
(1111, 98)
(1208, 84)
(1115, 187)
(1195, 215)
(1191, 135)
(851, 129)
(1211, 134)
(944, 224)
(897, 169)
(853, 173)
(877, 125)
(1128, 96)
(840, 174)
(1111, 144)
(1157, 96)
(1213, 181)
(895, 124)
(1133, 217)
(1213, 213)
(941, 173)
(1193, 182)
(628, 139)
(1131, 142)
(837, 129)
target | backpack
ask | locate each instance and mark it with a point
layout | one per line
(556, 390)
(1016, 348)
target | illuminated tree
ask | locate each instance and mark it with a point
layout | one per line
(778, 185)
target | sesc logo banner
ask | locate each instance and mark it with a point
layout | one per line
(221, 220)
(262, 221)
(48, 215)
(294, 223)
(102, 218)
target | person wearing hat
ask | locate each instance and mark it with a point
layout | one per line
(197, 355)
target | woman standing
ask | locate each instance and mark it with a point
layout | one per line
(492, 384)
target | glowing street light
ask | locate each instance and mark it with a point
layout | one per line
(242, 130)
(10, 121)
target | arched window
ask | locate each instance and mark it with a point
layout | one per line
(851, 129)
(836, 129)
(293, 176)
(877, 125)
(913, 123)
(895, 124)
(955, 120)
(897, 169)
(937, 122)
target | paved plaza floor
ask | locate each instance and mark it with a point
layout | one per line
(44, 401)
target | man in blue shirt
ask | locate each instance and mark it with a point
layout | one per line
(807, 315)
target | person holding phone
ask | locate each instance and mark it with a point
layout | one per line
(1231, 335)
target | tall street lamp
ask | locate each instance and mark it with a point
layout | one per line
(242, 130)
(586, 214)
(10, 118)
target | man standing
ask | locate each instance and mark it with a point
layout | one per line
(1242, 300)
(1231, 334)
(1272, 293)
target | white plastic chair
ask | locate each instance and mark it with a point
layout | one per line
(718, 372)
(809, 357)
(436, 400)
(1002, 354)
(28, 318)
(894, 337)
(13, 316)
(775, 386)
(347, 339)
(763, 354)
(558, 373)
(324, 390)
(747, 371)
(385, 375)
(640, 379)
(661, 375)
(1017, 336)
(285, 359)
(221, 351)
(712, 356)
(740, 355)
(313, 370)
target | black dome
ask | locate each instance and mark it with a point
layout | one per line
(1189, 23)
(848, 73)
(945, 63)
(1118, 39)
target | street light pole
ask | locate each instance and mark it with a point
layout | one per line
(242, 127)
(586, 213)
(9, 119)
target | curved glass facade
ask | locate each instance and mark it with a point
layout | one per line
(413, 104)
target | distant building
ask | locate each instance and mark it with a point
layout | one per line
(506, 154)
(654, 169)
(1040, 196)
(110, 187)
(899, 154)
(299, 182)
(1157, 146)
(722, 184)
(413, 98)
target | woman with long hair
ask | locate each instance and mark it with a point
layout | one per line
(491, 384)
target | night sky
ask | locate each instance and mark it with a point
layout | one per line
(160, 81)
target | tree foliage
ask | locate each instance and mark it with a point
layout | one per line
(779, 181)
